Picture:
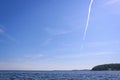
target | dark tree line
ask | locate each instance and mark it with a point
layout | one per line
(112, 67)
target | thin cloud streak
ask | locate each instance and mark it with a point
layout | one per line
(111, 2)
(1, 31)
(34, 56)
(55, 32)
(102, 44)
(10, 37)
(2, 27)
(4, 33)
(88, 18)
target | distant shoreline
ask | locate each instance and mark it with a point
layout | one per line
(107, 67)
(53, 70)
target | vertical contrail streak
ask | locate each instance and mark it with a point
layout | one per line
(88, 18)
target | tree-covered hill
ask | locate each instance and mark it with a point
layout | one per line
(111, 67)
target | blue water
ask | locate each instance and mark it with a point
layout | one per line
(59, 75)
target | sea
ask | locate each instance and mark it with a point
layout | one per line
(59, 75)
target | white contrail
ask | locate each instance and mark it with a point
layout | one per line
(88, 18)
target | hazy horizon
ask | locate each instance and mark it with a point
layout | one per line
(58, 34)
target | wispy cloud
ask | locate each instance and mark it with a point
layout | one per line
(2, 27)
(34, 56)
(10, 37)
(102, 44)
(1, 30)
(5, 34)
(54, 31)
(112, 7)
(112, 2)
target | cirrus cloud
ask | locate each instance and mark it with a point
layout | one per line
(5, 34)
(1, 30)
(112, 2)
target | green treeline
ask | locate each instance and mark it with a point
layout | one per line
(111, 67)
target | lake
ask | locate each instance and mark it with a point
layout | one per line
(59, 75)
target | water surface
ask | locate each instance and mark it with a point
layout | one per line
(59, 75)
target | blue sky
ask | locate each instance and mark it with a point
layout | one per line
(48, 34)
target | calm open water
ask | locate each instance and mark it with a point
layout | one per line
(59, 75)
